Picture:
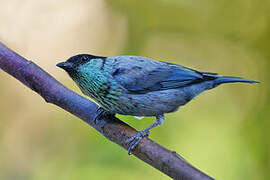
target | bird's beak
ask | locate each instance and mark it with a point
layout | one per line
(64, 65)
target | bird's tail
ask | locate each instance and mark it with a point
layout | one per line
(227, 79)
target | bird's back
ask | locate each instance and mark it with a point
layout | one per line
(139, 75)
(153, 87)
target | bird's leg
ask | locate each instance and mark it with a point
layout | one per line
(134, 140)
(101, 113)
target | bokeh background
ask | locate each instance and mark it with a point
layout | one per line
(223, 132)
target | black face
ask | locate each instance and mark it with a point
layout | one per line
(75, 61)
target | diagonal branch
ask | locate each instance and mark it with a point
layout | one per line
(168, 162)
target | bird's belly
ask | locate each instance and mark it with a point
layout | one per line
(153, 103)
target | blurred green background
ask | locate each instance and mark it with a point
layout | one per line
(223, 132)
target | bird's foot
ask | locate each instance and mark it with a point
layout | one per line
(134, 140)
(101, 113)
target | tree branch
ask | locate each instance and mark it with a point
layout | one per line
(168, 162)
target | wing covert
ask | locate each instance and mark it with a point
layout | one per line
(141, 75)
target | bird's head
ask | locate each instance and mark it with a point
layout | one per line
(81, 62)
(74, 62)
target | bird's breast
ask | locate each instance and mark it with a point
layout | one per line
(104, 91)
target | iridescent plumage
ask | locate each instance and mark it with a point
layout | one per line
(139, 86)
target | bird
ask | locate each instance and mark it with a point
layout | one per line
(139, 86)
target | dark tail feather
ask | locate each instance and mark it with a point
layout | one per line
(227, 79)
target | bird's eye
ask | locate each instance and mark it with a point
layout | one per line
(84, 58)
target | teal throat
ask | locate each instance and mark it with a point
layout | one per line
(98, 87)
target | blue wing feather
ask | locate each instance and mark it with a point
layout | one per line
(142, 75)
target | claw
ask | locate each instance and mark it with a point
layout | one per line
(134, 140)
(100, 113)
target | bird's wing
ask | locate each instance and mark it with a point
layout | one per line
(141, 75)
